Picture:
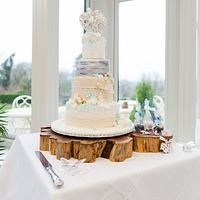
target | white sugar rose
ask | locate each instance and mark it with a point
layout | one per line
(85, 21)
(92, 21)
(96, 12)
(98, 25)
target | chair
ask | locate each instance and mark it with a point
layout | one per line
(20, 121)
(22, 101)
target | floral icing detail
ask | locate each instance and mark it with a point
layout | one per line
(80, 100)
(92, 21)
(85, 103)
(107, 76)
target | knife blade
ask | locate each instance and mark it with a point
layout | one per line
(48, 167)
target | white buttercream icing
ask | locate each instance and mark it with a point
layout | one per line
(93, 46)
(91, 115)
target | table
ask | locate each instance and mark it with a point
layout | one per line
(145, 176)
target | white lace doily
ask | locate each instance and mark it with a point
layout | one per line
(60, 126)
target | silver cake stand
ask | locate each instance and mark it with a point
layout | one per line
(61, 127)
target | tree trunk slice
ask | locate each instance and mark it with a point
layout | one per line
(146, 143)
(44, 138)
(64, 148)
(88, 149)
(118, 149)
(53, 144)
(44, 141)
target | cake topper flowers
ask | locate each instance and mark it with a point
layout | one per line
(92, 21)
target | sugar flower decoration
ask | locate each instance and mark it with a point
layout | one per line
(92, 21)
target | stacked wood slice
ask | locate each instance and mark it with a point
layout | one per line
(146, 143)
(115, 149)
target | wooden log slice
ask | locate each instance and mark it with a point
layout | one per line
(44, 141)
(88, 149)
(45, 129)
(64, 148)
(118, 149)
(45, 133)
(53, 144)
(146, 143)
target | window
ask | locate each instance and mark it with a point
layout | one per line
(15, 51)
(141, 46)
(70, 46)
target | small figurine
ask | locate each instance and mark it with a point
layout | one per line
(148, 122)
(125, 105)
(139, 128)
(158, 129)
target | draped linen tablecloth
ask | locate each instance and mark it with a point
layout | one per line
(145, 176)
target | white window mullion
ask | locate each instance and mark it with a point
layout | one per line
(45, 63)
(198, 61)
(181, 69)
(198, 76)
(172, 66)
(187, 71)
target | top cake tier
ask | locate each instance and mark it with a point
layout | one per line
(93, 46)
(93, 41)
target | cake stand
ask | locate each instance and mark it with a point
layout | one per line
(60, 127)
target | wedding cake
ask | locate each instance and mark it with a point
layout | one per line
(91, 104)
(91, 110)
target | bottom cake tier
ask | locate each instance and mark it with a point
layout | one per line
(92, 116)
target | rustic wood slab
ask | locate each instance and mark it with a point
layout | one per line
(118, 149)
(146, 143)
(115, 149)
(45, 134)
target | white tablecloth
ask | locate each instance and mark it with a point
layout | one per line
(152, 176)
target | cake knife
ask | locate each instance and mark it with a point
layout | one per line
(48, 167)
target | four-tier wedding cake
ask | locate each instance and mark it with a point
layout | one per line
(91, 104)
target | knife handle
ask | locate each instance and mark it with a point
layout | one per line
(55, 178)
